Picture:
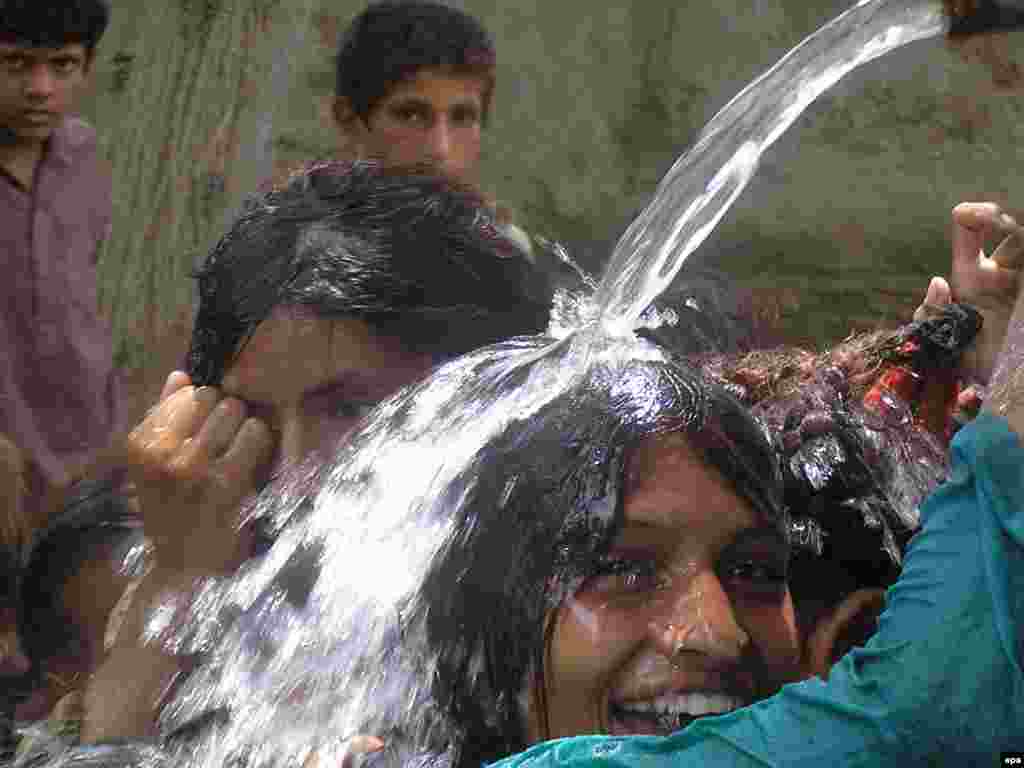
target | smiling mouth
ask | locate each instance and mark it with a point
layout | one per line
(669, 712)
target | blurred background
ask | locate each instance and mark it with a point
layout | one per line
(199, 101)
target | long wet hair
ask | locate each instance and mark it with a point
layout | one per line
(543, 505)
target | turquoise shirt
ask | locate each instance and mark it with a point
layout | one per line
(940, 684)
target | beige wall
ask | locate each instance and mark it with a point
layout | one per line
(845, 221)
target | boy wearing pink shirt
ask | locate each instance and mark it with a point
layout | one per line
(57, 382)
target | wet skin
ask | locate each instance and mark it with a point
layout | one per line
(433, 118)
(692, 599)
(301, 383)
(311, 379)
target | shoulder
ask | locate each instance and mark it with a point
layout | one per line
(76, 135)
(78, 145)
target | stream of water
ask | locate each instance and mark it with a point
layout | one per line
(299, 673)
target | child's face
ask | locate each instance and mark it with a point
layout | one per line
(38, 87)
(433, 118)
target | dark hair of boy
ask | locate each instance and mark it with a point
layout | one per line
(97, 523)
(54, 23)
(392, 40)
(413, 254)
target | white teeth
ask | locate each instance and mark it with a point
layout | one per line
(696, 703)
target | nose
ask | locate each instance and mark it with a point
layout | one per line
(439, 143)
(40, 82)
(698, 617)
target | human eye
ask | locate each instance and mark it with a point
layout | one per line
(625, 575)
(354, 410)
(15, 62)
(759, 573)
(65, 64)
(465, 115)
(410, 114)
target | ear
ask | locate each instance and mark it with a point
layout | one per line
(342, 112)
(351, 129)
(848, 625)
(345, 118)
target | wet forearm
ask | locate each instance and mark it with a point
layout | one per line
(125, 694)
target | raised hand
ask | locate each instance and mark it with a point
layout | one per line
(193, 459)
(988, 283)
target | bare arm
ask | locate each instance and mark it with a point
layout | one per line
(193, 459)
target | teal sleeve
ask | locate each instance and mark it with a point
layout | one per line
(940, 683)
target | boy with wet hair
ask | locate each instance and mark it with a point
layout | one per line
(415, 80)
(58, 402)
(413, 255)
(326, 297)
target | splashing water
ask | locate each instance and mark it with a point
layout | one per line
(307, 646)
(687, 207)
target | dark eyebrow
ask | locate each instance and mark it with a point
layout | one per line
(410, 101)
(331, 385)
(10, 56)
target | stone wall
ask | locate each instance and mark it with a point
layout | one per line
(197, 100)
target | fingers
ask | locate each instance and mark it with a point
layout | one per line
(249, 452)
(1010, 252)
(175, 381)
(358, 746)
(352, 751)
(938, 292)
(938, 295)
(201, 434)
(973, 223)
(976, 216)
(216, 434)
(160, 435)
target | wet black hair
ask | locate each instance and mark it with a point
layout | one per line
(857, 456)
(54, 23)
(96, 519)
(9, 575)
(393, 40)
(413, 254)
(544, 502)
